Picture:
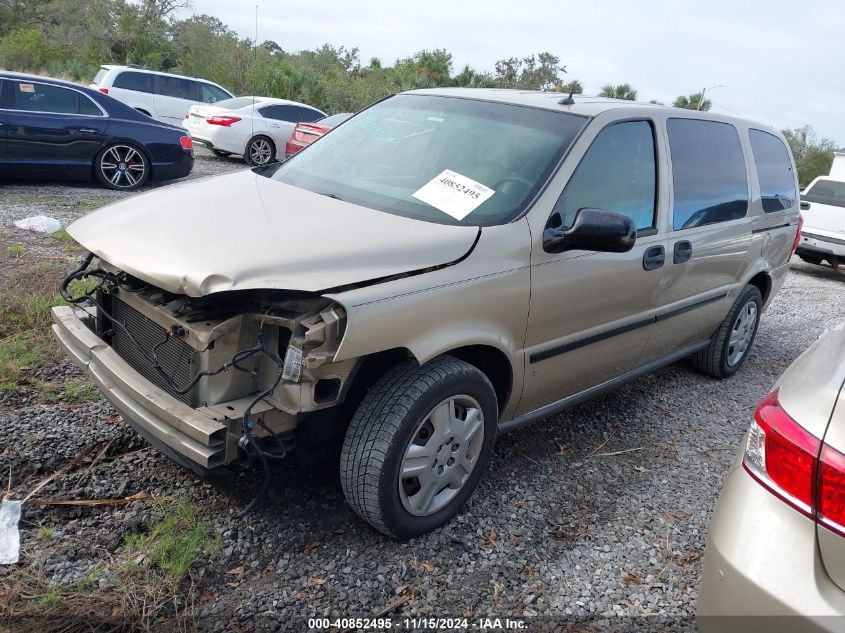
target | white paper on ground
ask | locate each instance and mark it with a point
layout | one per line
(453, 193)
(39, 224)
(10, 537)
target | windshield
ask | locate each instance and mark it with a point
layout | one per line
(439, 159)
(830, 192)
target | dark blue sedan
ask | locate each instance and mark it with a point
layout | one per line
(58, 130)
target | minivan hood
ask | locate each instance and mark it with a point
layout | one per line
(244, 231)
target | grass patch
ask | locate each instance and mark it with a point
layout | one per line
(45, 533)
(149, 582)
(79, 390)
(15, 250)
(69, 244)
(175, 543)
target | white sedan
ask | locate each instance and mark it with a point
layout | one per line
(256, 128)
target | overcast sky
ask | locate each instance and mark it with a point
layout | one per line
(779, 61)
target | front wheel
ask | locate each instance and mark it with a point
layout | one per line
(259, 151)
(732, 342)
(418, 445)
(121, 166)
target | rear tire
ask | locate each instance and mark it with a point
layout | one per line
(260, 150)
(811, 260)
(730, 345)
(418, 445)
(122, 166)
(221, 153)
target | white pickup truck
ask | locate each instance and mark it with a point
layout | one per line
(823, 234)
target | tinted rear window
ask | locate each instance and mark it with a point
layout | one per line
(774, 170)
(100, 75)
(708, 173)
(140, 82)
(213, 94)
(308, 115)
(280, 112)
(826, 192)
(178, 87)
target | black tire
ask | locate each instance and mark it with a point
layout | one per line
(714, 360)
(135, 171)
(251, 152)
(382, 429)
(221, 153)
(810, 259)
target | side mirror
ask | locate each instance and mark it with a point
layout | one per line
(592, 230)
(805, 206)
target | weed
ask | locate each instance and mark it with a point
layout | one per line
(45, 533)
(68, 243)
(15, 250)
(91, 578)
(51, 596)
(79, 390)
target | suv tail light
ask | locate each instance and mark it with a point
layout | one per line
(186, 142)
(105, 91)
(223, 120)
(797, 234)
(795, 465)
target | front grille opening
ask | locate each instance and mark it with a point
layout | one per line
(326, 390)
(175, 356)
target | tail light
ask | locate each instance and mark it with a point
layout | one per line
(225, 121)
(797, 234)
(186, 142)
(105, 91)
(796, 466)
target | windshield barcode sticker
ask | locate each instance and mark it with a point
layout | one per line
(453, 193)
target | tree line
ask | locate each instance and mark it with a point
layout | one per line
(72, 38)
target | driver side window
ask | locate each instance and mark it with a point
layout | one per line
(616, 174)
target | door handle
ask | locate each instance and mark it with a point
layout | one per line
(654, 257)
(683, 252)
(89, 130)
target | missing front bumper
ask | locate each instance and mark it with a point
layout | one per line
(187, 435)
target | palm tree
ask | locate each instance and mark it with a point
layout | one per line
(693, 102)
(622, 91)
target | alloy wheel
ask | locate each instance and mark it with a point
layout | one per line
(123, 166)
(260, 151)
(441, 455)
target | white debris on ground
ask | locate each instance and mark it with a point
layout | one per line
(10, 537)
(39, 224)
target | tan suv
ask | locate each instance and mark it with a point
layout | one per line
(444, 266)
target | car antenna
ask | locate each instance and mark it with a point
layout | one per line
(569, 100)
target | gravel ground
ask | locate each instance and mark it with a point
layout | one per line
(564, 524)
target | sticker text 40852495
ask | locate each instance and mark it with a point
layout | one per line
(453, 193)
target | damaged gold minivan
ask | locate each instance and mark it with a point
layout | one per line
(444, 266)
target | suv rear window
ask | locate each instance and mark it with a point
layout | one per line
(129, 80)
(213, 94)
(830, 192)
(101, 74)
(774, 171)
(708, 172)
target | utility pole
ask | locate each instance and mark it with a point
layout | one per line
(703, 92)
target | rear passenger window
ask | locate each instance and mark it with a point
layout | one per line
(708, 172)
(177, 87)
(308, 115)
(140, 82)
(87, 107)
(616, 174)
(281, 113)
(774, 171)
(213, 94)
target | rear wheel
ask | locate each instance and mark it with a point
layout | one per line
(122, 166)
(418, 445)
(221, 153)
(259, 151)
(732, 342)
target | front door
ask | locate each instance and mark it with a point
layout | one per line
(591, 313)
